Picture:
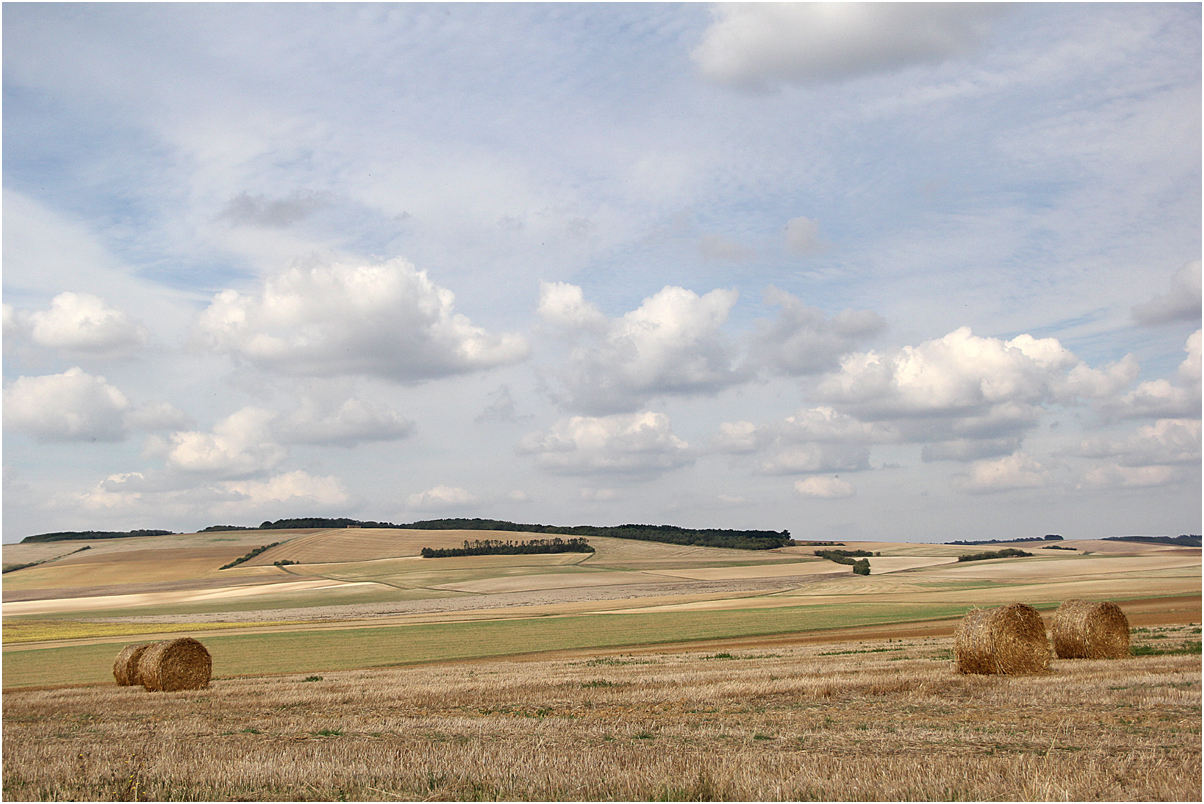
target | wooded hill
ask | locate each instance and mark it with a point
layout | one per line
(671, 534)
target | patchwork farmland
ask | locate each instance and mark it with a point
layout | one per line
(463, 661)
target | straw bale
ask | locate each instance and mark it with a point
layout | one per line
(178, 664)
(1009, 639)
(125, 668)
(1084, 629)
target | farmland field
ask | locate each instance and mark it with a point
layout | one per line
(477, 677)
(855, 720)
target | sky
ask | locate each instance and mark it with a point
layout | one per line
(898, 272)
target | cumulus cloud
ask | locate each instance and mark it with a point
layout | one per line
(1181, 303)
(297, 491)
(623, 444)
(1016, 471)
(440, 498)
(355, 421)
(810, 457)
(1161, 398)
(802, 235)
(72, 406)
(979, 384)
(1115, 476)
(387, 320)
(802, 340)
(756, 46)
(564, 305)
(290, 487)
(78, 324)
(671, 344)
(824, 488)
(241, 444)
(1166, 441)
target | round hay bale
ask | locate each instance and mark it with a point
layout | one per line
(178, 664)
(1083, 629)
(125, 668)
(1009, 639)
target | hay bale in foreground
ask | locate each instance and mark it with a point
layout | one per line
(1084, 629)
(1009, 639)
(125, 668)
(178, 664)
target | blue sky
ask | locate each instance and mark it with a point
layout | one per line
(896, 271)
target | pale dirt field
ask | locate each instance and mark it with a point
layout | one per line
(92, 604)
(658, 577)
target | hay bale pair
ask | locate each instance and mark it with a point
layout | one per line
(1012, 639)
(176, 664)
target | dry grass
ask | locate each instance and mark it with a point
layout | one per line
(852, 721)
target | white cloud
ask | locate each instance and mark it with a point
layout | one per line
(804, 341)
(1181, 303)
(1016, 471)
(980, 381)
(1162, 399)
(1115, 476)
(826, 488)
(811, 457)
(241, 444)
(632, 444)
(81, 324)
(387, 320)
(1166, 441)
(672, 344)
(440, 498)
(295, 492)
(802, 235)
(72, 406)
(297, 486)
(354, 422)
(565, 306)
(758, 45)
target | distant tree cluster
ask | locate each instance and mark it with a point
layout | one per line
(219, 528)
(1185, 540)
(1010, 552)
(80, 535)
(1052, 537)
(249, 555)
(861, 566)
(496, 547)
(671, 534)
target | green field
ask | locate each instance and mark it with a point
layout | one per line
(307, 651)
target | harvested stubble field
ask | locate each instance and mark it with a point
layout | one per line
(873, 720)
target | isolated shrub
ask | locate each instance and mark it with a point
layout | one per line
(1083, 629)
(1009, 639)
(861, 567)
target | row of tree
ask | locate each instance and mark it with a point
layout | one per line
(497, 547)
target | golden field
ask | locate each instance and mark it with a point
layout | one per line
(641, 671)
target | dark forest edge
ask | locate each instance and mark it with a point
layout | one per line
(496, 547)
(671, 534)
